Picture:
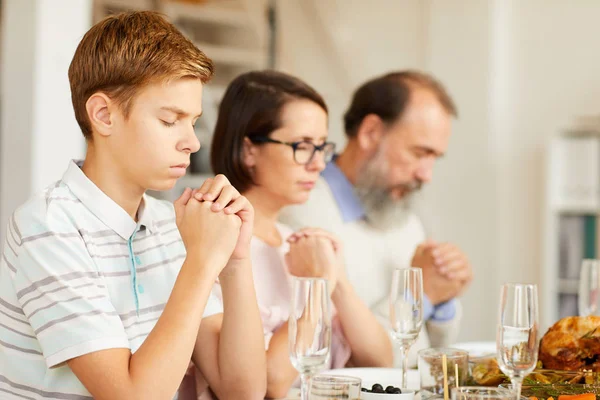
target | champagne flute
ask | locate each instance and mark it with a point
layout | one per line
(406, 312)
(309, 328)
(516, 341)
(589, 288)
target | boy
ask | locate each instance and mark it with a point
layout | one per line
(106, 292)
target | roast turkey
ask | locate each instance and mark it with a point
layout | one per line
(572, 344)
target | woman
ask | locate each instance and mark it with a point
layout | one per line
(270, 141)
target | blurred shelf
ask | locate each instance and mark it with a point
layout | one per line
(207, 13)
(128, 4)
(576, 210)
(234, 55)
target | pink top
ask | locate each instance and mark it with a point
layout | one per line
(273, 285)
(273, 291)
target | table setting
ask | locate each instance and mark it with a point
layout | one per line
(524, 363)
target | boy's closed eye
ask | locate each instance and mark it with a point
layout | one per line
(167, 123)
(170, 124)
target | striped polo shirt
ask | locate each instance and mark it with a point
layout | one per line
(78, 275)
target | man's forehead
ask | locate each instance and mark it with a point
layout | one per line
(424, 120)
(424, 106)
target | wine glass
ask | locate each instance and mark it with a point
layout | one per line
(309, 328)
(406, 312)
(589, 288)
(516, 341)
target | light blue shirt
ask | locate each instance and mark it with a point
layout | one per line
(352, 210)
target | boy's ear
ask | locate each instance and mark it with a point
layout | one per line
(99, 108)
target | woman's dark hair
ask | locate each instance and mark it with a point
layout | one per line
(252, 106)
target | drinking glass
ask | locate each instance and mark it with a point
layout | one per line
(326, 387)
(589, 288)
(406, 312)
(481, 393)
(516, 341)
(431, 369)
(309, 328)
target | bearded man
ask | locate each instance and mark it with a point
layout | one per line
(397, 126)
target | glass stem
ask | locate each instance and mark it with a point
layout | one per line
(305, 387)
(403, 365)
(516, 384)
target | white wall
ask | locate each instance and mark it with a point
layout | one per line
(520, 72)
(552, 77)
(460, 202)
(16, 105)
(38, 129)
(58, 137)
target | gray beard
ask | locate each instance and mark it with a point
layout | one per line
(382, 212)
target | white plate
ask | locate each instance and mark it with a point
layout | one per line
(477, 349)
(384, 376)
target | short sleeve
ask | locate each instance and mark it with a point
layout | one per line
(63, 295)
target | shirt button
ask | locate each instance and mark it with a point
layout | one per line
(138, 260)
(141, 289)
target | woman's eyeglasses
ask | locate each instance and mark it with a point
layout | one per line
(304, 152)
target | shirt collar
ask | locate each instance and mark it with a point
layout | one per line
(102, 206)
(343, 193)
